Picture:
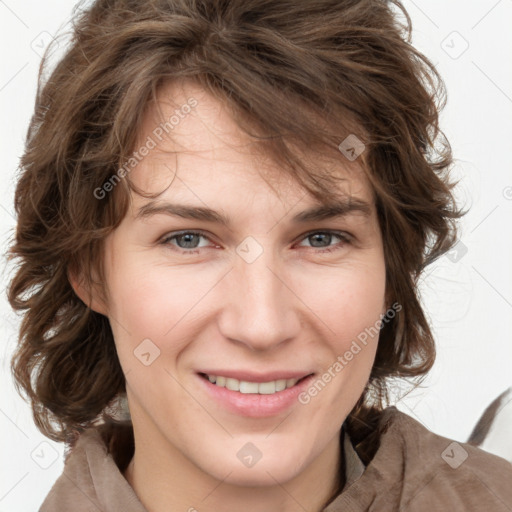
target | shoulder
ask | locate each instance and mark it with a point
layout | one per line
(430, 448)
(440, 472)
(74, 489)
(91, 480)
(417, 470)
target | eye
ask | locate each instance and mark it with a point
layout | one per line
(326, 237)
(186, 242)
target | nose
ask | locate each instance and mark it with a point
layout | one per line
(259, 307)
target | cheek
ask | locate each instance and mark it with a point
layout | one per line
(155, 302)
(349, 305)
(151, 303)
(347, 301)
(350, 310)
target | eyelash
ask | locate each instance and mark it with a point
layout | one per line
(345, 237)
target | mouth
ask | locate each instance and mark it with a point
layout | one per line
(270, 387)
(254, 395)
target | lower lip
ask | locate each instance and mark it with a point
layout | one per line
(254, 405)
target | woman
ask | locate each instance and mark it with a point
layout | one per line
(185, 162)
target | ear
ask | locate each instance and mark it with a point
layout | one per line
(90, 297)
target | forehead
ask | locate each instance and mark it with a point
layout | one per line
(194, 137)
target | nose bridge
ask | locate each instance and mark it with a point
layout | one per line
(261, 307)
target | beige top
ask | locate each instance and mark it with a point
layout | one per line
(413, 470)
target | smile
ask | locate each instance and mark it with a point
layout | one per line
(247, 387)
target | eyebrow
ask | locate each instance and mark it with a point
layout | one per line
(339, 209)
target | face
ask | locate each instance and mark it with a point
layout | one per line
(259, 303)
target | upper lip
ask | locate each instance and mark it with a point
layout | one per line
(251, 376)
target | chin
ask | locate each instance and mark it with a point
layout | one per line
(242, 463)
(261, 475)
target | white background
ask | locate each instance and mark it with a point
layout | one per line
(468, 300)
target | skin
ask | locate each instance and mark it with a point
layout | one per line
(294, 307)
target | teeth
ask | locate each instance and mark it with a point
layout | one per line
(267, 388)
(248, 387)
(232, 384)
(280, 384)
(242, 386)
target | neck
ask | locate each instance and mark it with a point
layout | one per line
(164, 479)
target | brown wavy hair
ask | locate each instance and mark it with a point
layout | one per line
(299, 76)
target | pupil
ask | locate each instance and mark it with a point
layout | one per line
(188, 241)
(316, 236)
